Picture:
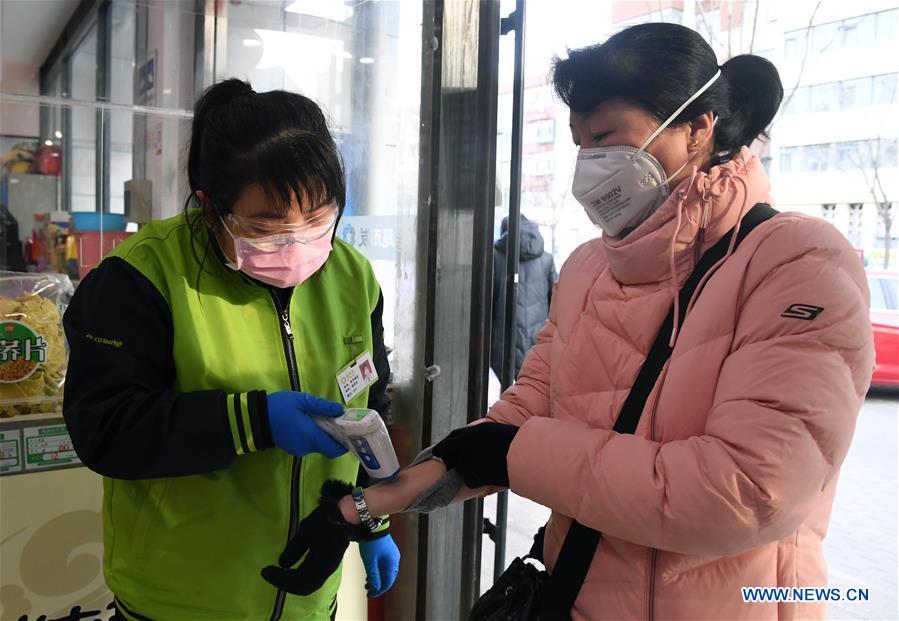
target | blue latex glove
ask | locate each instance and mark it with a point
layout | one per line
(292, 428)
(381, 559)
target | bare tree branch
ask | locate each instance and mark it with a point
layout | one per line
(789, 97)
(755, 21)
(730, 27)
(708, 26)
(878, 193)
(860, 163)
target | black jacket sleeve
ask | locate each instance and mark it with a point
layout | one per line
(124, 419)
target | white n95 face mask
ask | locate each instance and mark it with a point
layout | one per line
(620, 187)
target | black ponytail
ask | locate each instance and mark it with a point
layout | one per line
(755, 96)
(221, 94)
(658, 67)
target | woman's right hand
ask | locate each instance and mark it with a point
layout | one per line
(293, 430)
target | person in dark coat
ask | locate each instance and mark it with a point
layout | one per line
(536, 277)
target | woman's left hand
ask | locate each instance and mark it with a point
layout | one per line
(478, 453)
(325, 538)
(381, 559)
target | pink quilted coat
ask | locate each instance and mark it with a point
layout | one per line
(730, 478)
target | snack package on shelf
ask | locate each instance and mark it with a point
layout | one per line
(33, 350)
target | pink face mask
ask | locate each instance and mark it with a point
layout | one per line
(279, 260)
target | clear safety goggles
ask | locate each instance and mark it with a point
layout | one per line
(268, 234)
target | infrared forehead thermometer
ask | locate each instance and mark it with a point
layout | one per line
(363, 432)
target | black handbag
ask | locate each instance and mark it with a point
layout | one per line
(518, 592)
(525, 593)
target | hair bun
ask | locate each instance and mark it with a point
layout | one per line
(223, 93)
(755, 92)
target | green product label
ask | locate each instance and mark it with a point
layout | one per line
(10, 456)
(47, 447)
(22, 350)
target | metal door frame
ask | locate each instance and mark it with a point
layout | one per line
(454, 270)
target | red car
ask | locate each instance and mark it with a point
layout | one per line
(884, 288)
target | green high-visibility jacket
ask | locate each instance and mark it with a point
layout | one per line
(166, 397)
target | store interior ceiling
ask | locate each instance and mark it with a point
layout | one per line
(30, 28)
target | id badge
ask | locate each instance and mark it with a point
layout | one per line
(356, 377)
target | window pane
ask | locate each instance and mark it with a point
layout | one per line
(122, 16)
(884, 89)
(878, 299)
(890, 293)
(786, 159)
(848, 93)
(888, 154)
(825, 37)
(886, 25)
(863, 91)
(868, 28)
(849, 32)
(817, 157)
(824, 97)
(83, 163)
(798, 102)
(121, 124)
(361, 61)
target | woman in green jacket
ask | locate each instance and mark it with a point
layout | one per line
(196, 349)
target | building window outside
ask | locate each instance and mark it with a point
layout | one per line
(825, 37)
(886, 26)
(867, 30)
(540, 132)
(541, 97)
(884, 89)
(793, 44)
(538, 165)
(845, 156)
(847, 33)
(829, 212)
(856, 93)
(787, 157)
(815, 158)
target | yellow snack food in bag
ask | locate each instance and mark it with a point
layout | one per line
(33, 350)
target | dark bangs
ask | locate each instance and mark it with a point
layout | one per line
(294, 163)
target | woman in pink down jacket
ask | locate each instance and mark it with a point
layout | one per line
(730, 477)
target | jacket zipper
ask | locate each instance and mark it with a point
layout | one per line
(653, 555)
(652, 584)
(290, 353)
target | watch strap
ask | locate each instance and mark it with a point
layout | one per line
(365, 516)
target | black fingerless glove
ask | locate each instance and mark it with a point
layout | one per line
(478, 453)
